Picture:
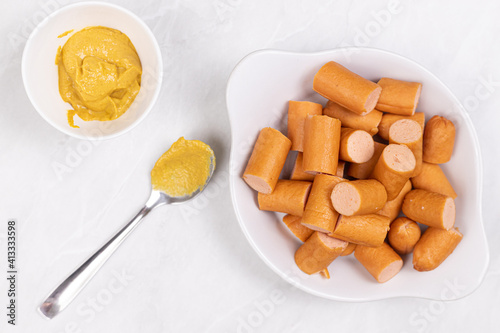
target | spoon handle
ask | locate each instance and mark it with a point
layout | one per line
(64, 294)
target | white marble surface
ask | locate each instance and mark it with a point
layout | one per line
(189, 268)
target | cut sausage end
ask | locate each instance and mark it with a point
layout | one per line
(457, 232)
(399, 157)
(417, 97)
(360, 146)
(345, 199)
(331, 242)
(405, 131)
(449, 213)
(315, 228)
(372, 100)
(258, 184)
(390, 271)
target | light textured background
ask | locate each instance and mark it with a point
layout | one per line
(189, 268)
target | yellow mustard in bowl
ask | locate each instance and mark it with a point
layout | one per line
(99, 74)
(184, 168)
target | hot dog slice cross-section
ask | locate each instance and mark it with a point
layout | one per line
(392, 208)
(267, 159)
(336, 83)
(368, 123)
(409, 133)
(297, 114)
(388, 119)
(298, 172)
(393, 169)
(295, 226)
(433, 179)
(358, 197)
(318, 252)
(355, 145)
(434, 247)
(368, 230)
(439, 139)
(430, 208)
(289, 196)
(399, 97)
(349, 249)
(321, 145)
(403, 235)
(340, 169)
(382, 262)
(364, 170)
(319, 213)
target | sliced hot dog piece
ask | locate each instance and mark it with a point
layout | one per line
(430, 208)
(325, 273)
(364, 170)
(388, 119)
(297, 114)
(439, 139)
(294, 224)
(409, 133)
(318, 252)
(433, 179)
(368, 123)
(355, 145)
(319, 213)
(399, 97)
(349, 249)
(434, 247)
(340, 169)
(267, 159)
(298, 172)
(289, 196)
(382, 262)
(336, 83)
(368, 230)
(393, 169)
(321, 144)
(392, 208)
(403, 235)
(358, 197)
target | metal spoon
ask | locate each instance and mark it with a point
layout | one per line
(64, 294)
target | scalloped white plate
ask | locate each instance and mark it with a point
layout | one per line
(257, 95)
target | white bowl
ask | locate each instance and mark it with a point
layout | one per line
(40, 72)
(257, 95)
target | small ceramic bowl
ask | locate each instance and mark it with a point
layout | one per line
(40, 72)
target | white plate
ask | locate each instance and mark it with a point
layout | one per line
(257, 95)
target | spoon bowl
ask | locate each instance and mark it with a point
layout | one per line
(66, 292)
